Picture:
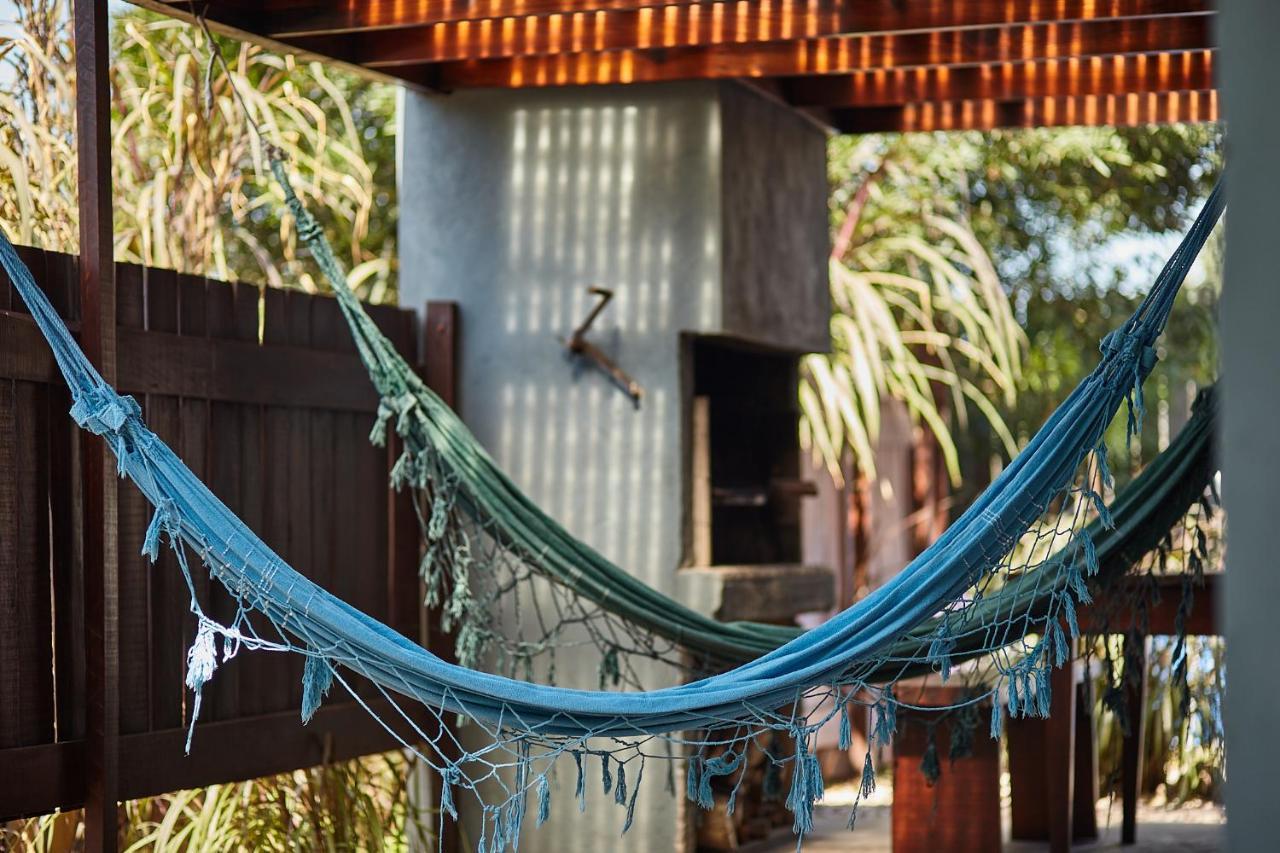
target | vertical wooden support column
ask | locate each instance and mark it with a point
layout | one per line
(98, 338)
(1084, 823)
(1135, 693)
(440, 371)
(1060, 738)
(961, 811)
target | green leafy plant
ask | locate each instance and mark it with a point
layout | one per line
(191, 186)
(363, 805)
(919, 317)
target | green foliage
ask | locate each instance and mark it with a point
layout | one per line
(362, 805)
(919, 317)
(1075, 221)
(191, 186)
(1183, 753)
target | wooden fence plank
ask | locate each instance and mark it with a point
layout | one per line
(302, 481)
(321, 565)
(223, 456)
(193, 448)
(136, 573)
(67, 565)
(170, 599)
(26, 693)
(264, 684)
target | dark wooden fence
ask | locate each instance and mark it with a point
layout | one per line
(264, 397)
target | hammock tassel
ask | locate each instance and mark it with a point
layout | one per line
(580, 789)
(997, 717)
(544, 799)
(378, 435)
(721, 765)
(868, 786)
(846, 727)
(317, 678)
(1090, 550)
(1061, 651)
(886, 717)
(693, 773)
(448, 779)
(620, 790)
(631, 804)
(606, 777)
(929, 766)
(940, 651)
(1104, 468)
(202, 660)
(1044, 693)
(164, 520)
(1069, 612)
(806, 786)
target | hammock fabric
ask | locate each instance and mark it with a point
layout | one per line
(473, 501)
(531, 725)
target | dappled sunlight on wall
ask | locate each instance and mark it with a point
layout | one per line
(546, 196)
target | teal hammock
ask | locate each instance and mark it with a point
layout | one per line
(963, 592)
(487, 539)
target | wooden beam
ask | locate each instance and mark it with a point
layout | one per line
(285, 19)
(39, 779)
(1159, 599)
(98, 339)
(1085, 111)
(695, 24)
(830, 55)
(201, 368)
(1140, 73)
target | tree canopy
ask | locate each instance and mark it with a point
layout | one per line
(1075, 221)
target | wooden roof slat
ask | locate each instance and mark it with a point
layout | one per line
(285, 19)
(830, 55)
(871, 64)
(1140, 73)
(709, 25)
(1085, 110)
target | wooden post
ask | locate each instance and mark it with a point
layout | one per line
(1060, 738)
(1084, 824)
(440, 371)
(962, 810)
(1135, 692)
(98, 338)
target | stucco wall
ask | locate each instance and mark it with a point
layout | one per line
(776, 239)
(512, 205)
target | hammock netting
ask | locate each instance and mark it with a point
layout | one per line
(994, 598)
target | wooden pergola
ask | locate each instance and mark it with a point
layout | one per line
(856, 65)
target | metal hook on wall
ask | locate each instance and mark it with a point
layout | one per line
(578, 345)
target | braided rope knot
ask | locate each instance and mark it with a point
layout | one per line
(398, 408)
(167, 520)
(1133, 357)
(104, 412)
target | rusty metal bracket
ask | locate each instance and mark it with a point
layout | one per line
(578, 345)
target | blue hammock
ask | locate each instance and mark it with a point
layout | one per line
(531, 725)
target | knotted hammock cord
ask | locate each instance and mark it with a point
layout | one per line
(529, 726)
